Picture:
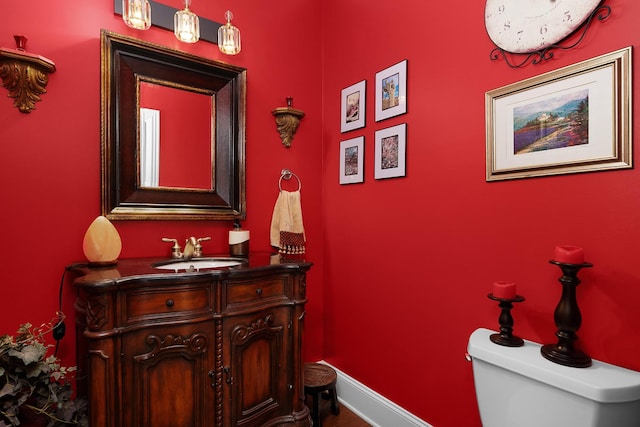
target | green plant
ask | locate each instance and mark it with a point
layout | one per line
(32, 382)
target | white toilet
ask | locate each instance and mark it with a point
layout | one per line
(518, 387)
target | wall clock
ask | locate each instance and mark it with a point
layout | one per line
(531, 26)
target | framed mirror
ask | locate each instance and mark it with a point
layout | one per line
(173, 133)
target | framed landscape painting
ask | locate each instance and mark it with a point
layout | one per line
(352, 107)
(575, 119)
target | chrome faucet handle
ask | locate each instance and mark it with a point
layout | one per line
(175, 249)
(197, 252)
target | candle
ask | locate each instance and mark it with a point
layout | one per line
(504, 290)
(569, 254)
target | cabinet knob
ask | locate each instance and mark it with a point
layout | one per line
(259, 291)
(169, 302)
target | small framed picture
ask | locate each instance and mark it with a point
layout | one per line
(391, 91)
(391, 149)
(352, 160)
(352, 107)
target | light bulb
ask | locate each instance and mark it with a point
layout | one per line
(186, 24)
(136, 14)
(229, 37)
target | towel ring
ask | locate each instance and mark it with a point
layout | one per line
(287, 174)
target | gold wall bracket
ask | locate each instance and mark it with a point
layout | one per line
(24, 74)
(287, 121)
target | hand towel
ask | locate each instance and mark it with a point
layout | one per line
(287, 229)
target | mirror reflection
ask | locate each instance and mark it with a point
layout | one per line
(176, 143)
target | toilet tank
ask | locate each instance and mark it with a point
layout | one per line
(518, 387)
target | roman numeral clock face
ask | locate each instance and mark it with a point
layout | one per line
(523, 26)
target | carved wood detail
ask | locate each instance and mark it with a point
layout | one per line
(287, 121)
(96, 312)
(197, 343)
(244, 332)
(303, 287)
(218, 373)
(24, 75)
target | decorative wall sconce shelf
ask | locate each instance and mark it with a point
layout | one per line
(25, 75)
(287, 121)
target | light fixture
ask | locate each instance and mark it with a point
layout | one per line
(186, 25)
(229, 37)
(136, 13)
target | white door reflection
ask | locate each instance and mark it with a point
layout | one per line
(149, 147)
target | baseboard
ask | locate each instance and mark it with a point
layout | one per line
(372, 407)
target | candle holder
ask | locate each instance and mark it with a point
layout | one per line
(568, 319)
(506, 337)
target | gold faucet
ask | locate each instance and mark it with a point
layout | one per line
(189, 248)
(192, 247)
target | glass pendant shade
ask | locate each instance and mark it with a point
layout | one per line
(186, 25)
(136, 13)
(229, 37)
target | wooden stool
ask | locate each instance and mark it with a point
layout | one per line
(318, 379)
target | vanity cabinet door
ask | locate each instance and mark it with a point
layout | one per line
(166, 379)
(257, 367)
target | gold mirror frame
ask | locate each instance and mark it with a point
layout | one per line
(125, 62)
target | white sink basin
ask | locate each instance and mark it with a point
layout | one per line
(198, 264)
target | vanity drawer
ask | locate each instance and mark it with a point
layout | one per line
(250, 292)
(153, 303)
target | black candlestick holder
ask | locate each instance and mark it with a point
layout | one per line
(568, 320)
(506, 337)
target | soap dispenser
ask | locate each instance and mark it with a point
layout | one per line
(238, 241)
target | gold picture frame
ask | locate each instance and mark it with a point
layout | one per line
(570, 120)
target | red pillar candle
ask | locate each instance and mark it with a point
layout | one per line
(569, 254)
(504, 290)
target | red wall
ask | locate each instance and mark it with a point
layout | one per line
(185, 159)
(402, 266)
(50, 158)
(409, 261)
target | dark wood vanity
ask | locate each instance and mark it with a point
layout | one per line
(219, 347)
